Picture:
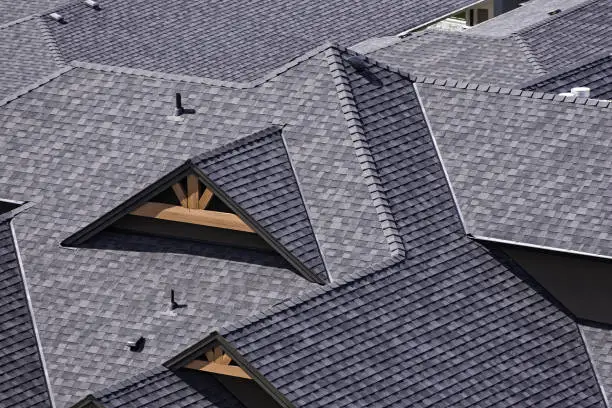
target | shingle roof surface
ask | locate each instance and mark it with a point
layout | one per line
(256, 173)
(448, 327)
(530, 13)
(460, 56)
(570, 37)
(228, 39)
(595, 74)
(161, 387)
(22, 379)
(525, 169)
(11, 10)
(25, 56)
(86, 141)
(599, 343)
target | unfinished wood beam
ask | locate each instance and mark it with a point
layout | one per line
(215, 368)
(193, 191)
(207, 195)
(180, 194)
(207, 218)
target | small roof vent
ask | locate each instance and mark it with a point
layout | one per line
(93, 4)
(581, 91)
(58, 17)
(553, 12)
(138, 345)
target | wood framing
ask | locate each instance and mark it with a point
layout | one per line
(218, 362)
(207, 195)
(206, 218)
(193, 191)
(180, 194)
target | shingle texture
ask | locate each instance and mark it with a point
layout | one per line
(525, 169)
(572, 36)
(530, 13)
(456, 55)
(599, 343)
(449, 326)
(11, 10)
(256, 174)
(88, 140)
(595, 74)
(163, 388)
(22, 379)
(25, 56)
(228, 39)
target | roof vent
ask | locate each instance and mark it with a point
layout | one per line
(581, 92)
(179, 110)
(138, 345)
(58, 17)
(173, 303)
(552, 13)
(93, 4)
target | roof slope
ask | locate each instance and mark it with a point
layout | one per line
(99, 135)
(599, 343)
(572, 36)
(11, 10)
(527, 169)
(22, 377)
(227, 39)
(458, 55)
(530, 13)
(161, 387)
(256, 173)
(25, 56)
(595, 73)
(450, 326)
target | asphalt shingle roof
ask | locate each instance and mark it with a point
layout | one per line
(599, 343)
(594, 73)
(227, 39)
(448, 326)
(572, 36)
(530, 13)
(11, 11)
(161, 387)
(99, 135)
(22, 377)
(456, 55)
(526, 168)
(26, 55)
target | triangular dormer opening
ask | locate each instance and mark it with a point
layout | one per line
(189, 209)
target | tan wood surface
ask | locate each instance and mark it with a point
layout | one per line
(210, 367)
(193, 191)
(207, 195)
(180, 194)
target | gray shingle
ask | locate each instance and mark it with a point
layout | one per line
(450, 326)
(228, 40)
(526, 169)
(25, 56)
(161, 387)
(88, 140)
(456, 55)
(594, 73)
(14, 10)
(599, 343)
(22, 378)
(256, 173)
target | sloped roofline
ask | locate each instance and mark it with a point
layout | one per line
(200, 347)
(166, 181)
(554, 17)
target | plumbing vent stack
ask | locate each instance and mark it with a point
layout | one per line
(581, 92)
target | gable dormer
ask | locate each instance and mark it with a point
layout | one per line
(241, 194)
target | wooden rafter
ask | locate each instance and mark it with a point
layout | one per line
(180, 194)
(193, 191)
(218, 363)
(207, 218)
(207, 195)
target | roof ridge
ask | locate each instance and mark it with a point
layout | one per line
(554, 17)
(203, 80)
(604, 55)
(310, 294)
(18, 21)
(472, 86)
(48, 38)
(29, 88)
(526, 49)
(362, 150)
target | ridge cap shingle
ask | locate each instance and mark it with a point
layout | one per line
(34, 85)
(467, 85)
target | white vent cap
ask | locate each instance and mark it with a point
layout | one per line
(57, 17)
(581, 91)
(93, 4)
(566, 94)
